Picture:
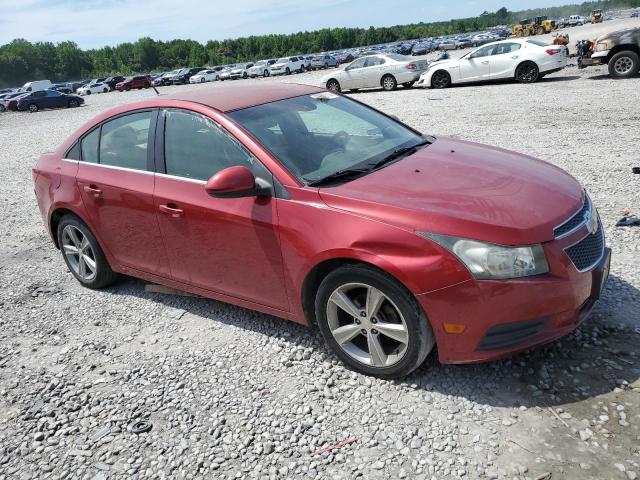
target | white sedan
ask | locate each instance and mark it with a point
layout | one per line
(374, 71)
(205, 76)
(525, 60)
(95, 87)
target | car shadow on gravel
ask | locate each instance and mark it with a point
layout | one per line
(601, 355)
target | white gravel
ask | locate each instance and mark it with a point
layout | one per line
(236, 394)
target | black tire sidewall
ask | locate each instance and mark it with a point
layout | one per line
(526, 64)
(421, 338)
(394, 81)
(441, 72)
(625, 53)
(105, 275)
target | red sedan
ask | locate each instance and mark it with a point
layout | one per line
(139, 81)
(310, 206)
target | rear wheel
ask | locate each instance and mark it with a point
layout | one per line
(540, 31)
(105, 90)
(441, 79)
(371, 322)
(527, 72)
(334, 85)
(389, 83)
(33, 107)
(88, 92)
(624, 64)
(82, 254)
(73, 103)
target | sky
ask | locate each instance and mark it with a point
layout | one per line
(96, 23)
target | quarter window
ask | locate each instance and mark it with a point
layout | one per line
(89, 146)
(124, 140)
(195, 147)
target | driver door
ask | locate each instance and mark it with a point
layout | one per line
(353, 76)
(477, 66)
(226, 245)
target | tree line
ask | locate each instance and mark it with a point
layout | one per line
(21, 60)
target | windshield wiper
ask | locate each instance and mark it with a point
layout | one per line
(400, 152)
(349, 172)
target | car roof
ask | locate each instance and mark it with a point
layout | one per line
(226, 98)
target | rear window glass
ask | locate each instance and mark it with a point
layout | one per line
(124, 141)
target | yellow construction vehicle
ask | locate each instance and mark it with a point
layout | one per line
(543, 25)
(524, 28)
(596, 16)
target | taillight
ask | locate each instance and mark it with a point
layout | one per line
(553, 51)
(412, 66)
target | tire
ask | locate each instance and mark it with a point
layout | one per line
(105, 90)
(73, 103)
(2, 107)
(326, 65)
(408, 84)
(624, 64)
(391, 305)
(265, 74)
(202, 80)
(88, 92)
(102, 275)
(244, 75)
(334, 85)
(527, 72)
(440, 79)
(33, 107)
(389, 83)
(540, 31)
(287, 71)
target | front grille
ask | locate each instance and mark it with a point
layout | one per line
(511, 334)
(575, 221)
(587, 252)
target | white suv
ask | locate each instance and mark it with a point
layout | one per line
(287, 65)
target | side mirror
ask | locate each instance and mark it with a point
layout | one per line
(232, 182)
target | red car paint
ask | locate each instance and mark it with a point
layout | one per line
(259, 252)
(140, 81)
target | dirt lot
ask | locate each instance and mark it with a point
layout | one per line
(234, 394)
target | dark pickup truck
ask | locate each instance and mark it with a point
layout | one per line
(619, 50)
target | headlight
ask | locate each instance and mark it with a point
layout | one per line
(488, 261)
(602, 47)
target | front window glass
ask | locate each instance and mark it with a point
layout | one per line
(195, 147)
(315, 136)
(359, 63)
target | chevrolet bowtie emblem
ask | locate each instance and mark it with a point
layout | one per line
(591, 219)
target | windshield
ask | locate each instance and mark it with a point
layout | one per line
(316, 136)
(283, 60)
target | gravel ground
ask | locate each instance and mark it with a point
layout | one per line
(236, 394)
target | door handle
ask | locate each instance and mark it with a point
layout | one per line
(93, 190)
(485, 62)
(515, 57)
(171, 209)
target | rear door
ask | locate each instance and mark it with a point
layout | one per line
(116, 181)
(372, 71)
(504, 58)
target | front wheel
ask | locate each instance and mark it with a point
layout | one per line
(441, 79)
(265, 73)
(105, 90)
(82, 254)
(88, 92)
(287, 71)
(334, 86)
(389, 83)
(33, 107)
(527, 72)
(372, 323)
(624, 64)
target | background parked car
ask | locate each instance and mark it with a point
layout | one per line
(62, 87)
(261, 68)
(240, 71)
(139, 81)
(93, 88)
(374, 71)
(205, 76)
(113, 81)
(287, 65)
(525, 60)
(35, 101)
(183, 76)
(345, 57)
(165, 79)
(11, 100)
(36, 85)
(323, 61)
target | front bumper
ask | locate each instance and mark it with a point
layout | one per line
(596, 58)
(502, 318)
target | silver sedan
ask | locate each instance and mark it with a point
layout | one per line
(374, 71)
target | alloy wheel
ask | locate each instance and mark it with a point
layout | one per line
(440, 80)
(623, 65)
(333, 85)
(79, 253)
(388, 83)
(367, 325)
(527, 73)
(33, 108)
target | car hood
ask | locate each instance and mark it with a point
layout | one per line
(466, 190)
(628, 32)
